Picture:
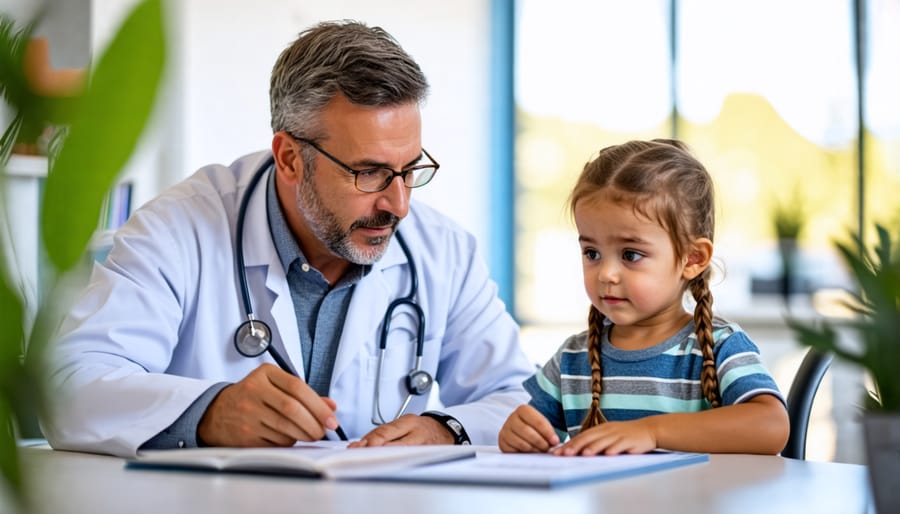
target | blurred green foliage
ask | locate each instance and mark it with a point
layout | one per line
(106, 122)
(876, 322)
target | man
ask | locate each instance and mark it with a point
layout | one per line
(152, 356)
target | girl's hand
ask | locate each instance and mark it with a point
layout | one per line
(527, 431)
(611, 438)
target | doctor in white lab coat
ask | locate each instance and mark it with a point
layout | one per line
(146, 357)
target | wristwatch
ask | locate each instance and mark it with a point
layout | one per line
(451, 424)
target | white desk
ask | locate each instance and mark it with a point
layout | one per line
(65, 482)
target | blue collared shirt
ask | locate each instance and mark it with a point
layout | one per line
(319, 307)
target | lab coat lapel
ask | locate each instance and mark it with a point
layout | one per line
(371, 297)
(261, 257)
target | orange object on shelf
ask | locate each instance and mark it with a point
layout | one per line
(45, 80)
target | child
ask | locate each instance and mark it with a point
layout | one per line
(644, 213)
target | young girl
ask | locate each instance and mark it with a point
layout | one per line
(646, 374)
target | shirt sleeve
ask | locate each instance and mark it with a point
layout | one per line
(183, 432)
(742, 374)
(546, 396)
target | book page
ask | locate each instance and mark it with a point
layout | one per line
(544, 470)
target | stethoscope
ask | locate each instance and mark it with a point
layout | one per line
(253, 337)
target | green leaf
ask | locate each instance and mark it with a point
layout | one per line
(13, 40)
(11, 338)
(877, 322)
(9, 456)
(8, 139)
(108, 126)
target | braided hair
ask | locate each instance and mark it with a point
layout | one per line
(664, 182)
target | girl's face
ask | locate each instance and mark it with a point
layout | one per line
(630, 271)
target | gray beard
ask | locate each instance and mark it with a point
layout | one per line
(327, 228)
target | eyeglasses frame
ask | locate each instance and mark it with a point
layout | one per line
(402, 174)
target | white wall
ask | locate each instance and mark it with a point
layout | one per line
(214, 106)
(218, 106)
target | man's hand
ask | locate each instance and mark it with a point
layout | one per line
(408, 429)
(269, 407)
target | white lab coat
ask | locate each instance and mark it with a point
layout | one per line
(154, 328)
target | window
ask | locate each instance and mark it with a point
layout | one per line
(882, 113)
(764, 92)
(589, 74)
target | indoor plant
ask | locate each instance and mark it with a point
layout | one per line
(871, 340)
(788, 221)
(106, 123)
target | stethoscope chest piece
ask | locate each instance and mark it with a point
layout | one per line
(252, 338)
(418, 382)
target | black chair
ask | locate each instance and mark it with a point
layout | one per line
(800, 400)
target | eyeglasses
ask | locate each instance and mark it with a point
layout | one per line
(377, 179)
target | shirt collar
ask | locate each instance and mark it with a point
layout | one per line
(285, 242)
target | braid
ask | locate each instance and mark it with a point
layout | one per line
(703, 326)
(595, 328)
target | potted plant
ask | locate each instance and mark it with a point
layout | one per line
(871, 340)
(788, 221)
(42, 99)
(107, 121)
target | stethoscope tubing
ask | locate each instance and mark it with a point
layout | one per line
(239, 237)
(408, 300)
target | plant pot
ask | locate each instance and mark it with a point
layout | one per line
(787, 249)
(882, 439)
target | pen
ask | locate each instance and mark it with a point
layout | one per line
(285, 366)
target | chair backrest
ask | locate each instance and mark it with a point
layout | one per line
(800, 400)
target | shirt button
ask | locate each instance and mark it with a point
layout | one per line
(304, 267)
(181, 444)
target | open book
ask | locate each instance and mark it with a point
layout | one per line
(321, 459)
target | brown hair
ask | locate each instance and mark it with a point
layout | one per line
(664, 183)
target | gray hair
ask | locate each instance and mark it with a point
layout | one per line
(365, 64)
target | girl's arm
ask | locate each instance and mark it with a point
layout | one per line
(760, 425)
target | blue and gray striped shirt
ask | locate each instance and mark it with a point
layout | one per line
(661, 379)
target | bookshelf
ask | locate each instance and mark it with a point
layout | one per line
(23, 184)
(115, 212)
(19, 230)
(27, 166)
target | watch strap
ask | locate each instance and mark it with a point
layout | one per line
(451, 424)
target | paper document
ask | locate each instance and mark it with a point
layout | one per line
(490, 467)
(325, 459)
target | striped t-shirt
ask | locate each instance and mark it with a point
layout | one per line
(661, 379)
